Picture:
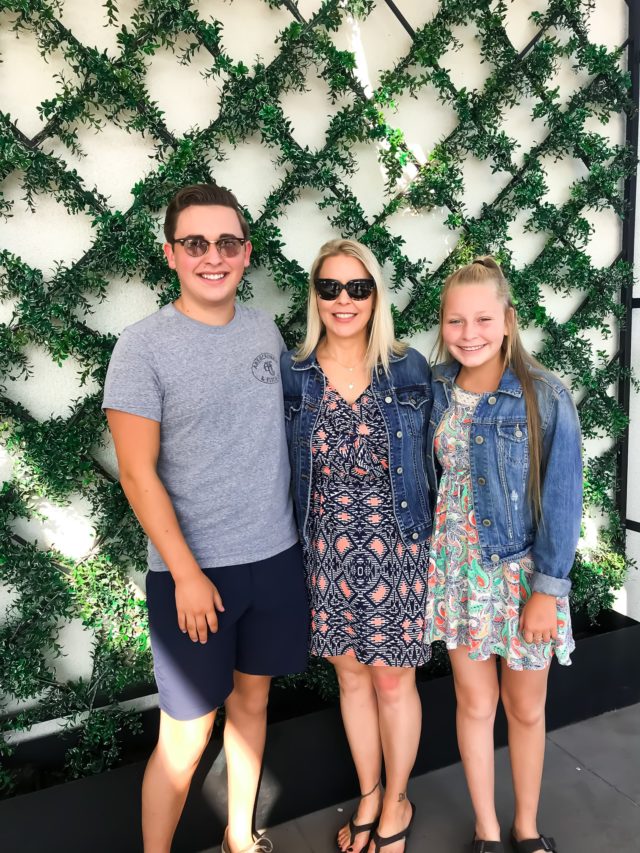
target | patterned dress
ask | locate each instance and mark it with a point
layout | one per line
(469, 604)
(367, 587)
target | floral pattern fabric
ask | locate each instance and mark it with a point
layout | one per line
(469, 604)
(367, 587)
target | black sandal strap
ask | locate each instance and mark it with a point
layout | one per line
(385, 840)
(531, 845)
(480, 846)
(357, 828)
(372, 791)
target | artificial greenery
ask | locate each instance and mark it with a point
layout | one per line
(55, 458)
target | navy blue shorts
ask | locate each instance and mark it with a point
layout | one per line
(263, 630)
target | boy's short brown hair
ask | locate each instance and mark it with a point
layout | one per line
(200, 194)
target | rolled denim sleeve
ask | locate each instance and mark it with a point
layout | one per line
(559, 587)
(558, 529)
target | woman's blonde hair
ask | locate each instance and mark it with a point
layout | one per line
(382, 341)
(486, 270)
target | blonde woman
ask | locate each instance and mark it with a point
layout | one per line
(357, 405)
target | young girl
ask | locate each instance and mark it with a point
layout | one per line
(506, 462)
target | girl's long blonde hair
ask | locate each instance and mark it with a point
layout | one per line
(382, 341)
(486, 270)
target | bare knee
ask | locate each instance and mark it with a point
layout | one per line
(392, 684)
(250, 696)
(353, 678)
(479, 706)
(523, 710)
(182, 742)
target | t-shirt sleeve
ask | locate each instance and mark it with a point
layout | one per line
(283, 346)
(132, 384)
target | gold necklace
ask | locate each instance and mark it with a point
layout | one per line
(350, 385)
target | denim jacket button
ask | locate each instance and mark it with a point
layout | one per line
(518, 432)
(399, 470)
(404, 504)
(414, 535)
(486, 522)
(492, 400)
(399, 434)
(482, 481)
(388, 400)
(479, 439)
(495, 558)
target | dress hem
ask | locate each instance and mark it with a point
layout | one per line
(377, 663)
(500, 653)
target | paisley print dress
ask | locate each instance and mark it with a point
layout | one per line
(367, 586)
(468, 603)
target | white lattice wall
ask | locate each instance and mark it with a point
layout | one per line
(116, 160)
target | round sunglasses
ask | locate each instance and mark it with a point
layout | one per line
(357, 288)
(197, 247)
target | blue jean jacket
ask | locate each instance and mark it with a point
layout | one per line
(404, 398)
(499, 459)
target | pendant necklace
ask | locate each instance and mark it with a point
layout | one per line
(350, 385)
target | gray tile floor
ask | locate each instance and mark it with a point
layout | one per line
(590, 799)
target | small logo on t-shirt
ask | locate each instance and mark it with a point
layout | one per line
(264, 368)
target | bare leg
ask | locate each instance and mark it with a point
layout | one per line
(168, 776)
(476, 684)
(400, 715)
(524, 695)
(244, 736)
(360, 717)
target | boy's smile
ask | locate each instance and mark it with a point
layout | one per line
(208, 283)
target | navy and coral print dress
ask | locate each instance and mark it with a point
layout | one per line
(367, 587)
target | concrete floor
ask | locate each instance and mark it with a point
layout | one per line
(590, 797)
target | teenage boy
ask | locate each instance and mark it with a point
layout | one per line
(194, 403)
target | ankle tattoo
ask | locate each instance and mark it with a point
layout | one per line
(402, 796)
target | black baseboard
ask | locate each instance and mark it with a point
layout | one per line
(307, 764)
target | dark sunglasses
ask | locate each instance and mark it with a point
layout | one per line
(357, 288)
(197, 247)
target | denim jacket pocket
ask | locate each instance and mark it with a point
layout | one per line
(513, 442)
(412, 406)
(513, 469)
(292, 409)
(292, 406)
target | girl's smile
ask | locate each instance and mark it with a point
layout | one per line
(474, 327)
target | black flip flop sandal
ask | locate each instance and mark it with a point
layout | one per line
(358, 828)
(381, 841)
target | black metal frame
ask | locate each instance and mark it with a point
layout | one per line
(628, 253)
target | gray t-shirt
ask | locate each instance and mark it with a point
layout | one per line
(217, 394)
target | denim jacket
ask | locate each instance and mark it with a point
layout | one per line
(499, 460)
(404, 398)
